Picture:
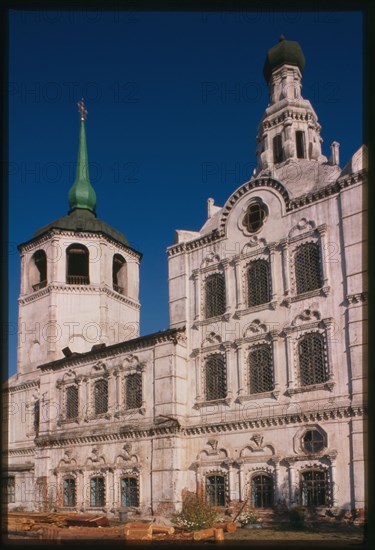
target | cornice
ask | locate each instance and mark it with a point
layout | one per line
(291, 204)
(22, 387)
(64, 288)
(134, 432)
(175, 335)
(29, 451)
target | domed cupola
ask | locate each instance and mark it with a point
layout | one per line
(286, 52)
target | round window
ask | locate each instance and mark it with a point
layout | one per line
(313, 441)
(255, 216)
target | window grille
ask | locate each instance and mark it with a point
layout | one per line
(307, 266)
(261, 371)
(254, 217)
(97, 491)
(216, 378)
(300, 144)
(258, 282)
(129, 491)
(277, 149)
(133, 391)
(77, 265)
(9, 489)
(314, 488)
(311, 359)
(101, 396)
(262, 491)
(71, 402)
(69, 497)
(215, 295)
(36, 416)
(215, 490)
(313, 441)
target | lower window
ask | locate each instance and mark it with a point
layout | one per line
(314, 488)
(9, 489)
(69, 492)
(262, 491)
(97, 491)
(215, 490)
(129, 491)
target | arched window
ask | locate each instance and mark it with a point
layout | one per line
(38, 270)
(307, 266)
(215, 490)
(71, 402)
(314, 490)
(313, 441)
(277, 149)
(311, 359)
(133, 391)
(260, 369)
(258, 283)
(300, 144)
(97, 491)
(215, 295)
(101, 396)
(77, 257)
(255, 216)
(69, 492)
(216, 377)
(119, 274)
(129, 491)
(262, 491)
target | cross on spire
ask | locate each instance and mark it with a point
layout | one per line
(82, 109)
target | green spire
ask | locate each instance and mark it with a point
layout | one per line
(82, 193)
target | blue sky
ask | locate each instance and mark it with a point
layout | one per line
(174, 101)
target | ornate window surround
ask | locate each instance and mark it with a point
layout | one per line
(70, 378)
(132, 473)
(200, 276)
(244, 347)
(293, 336)
(201, 356)
(138, 368)
(316, 235)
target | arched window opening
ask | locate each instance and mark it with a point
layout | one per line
(133, 391)
(97, 491)
(119, 274)
(69, 492)
(71, 402)
(215, 490)
(262, 491)
(77, 265)
(261, 370)
(38, 272)
(277, 149)
(129, 491)
(300, 144)
(314, 490)
(313, 441)
(216, 378)
(215, 295)
(101, 396)
(311, 359)
(258, 282)
(307, 265)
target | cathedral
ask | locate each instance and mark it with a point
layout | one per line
(257, 391)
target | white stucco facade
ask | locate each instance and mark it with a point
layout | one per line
(185, 428)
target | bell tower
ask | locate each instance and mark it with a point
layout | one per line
(289, 130)
(79, 280)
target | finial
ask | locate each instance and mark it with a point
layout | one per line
(82, 109)
(282, 37)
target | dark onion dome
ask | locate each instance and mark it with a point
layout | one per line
(285, 52)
